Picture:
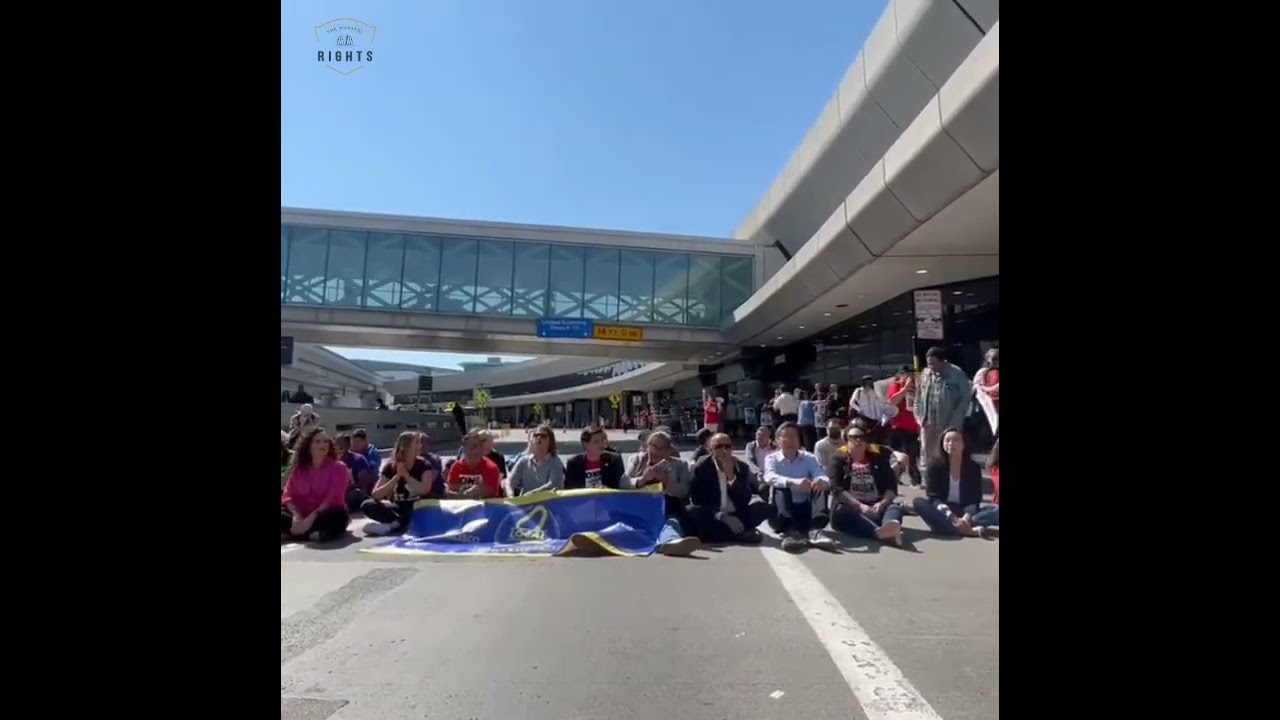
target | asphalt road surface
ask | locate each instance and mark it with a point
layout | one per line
(868, 632)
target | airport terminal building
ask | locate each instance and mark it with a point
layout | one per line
(879, 239)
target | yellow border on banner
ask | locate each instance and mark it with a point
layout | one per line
(521, 501)
(535, 498)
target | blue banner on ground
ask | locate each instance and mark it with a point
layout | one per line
(613, 522)
(565, 328)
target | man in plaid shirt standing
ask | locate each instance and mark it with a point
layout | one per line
(941, 402)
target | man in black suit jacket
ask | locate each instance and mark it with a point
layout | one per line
(723, 504)
(594, 467)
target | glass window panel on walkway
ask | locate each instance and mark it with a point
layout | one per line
(308, 251)
(530, 279)
(567, 281)
(600, 300)
(383, 266)
(704, 290)
(341, 267)
(494, 277)
(635, 286)
(284, 259)
(457, 275)
(420, 282)
(670, 288)
(344, 273)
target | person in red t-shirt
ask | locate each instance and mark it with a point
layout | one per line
(474, 476)
(713, 412)
(904, 429)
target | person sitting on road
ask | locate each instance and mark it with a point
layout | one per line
(475, 476)
(408, 477)
(360, 445)
(313, 504)
(594, 467)
(872, 433)
(993, 464)
(286, 456)
(362, 476)
(757, 451)
(723, 501)
(703, 439)
(487, 450)
(538, 470)
(953, 490)
(660, 464)
(865, 485)
(798, 485)
(825, 449)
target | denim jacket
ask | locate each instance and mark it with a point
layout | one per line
(942, 400)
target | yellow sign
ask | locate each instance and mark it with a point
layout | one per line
(449, 407)
(619, 332)
(615, 400)
(482, 398)
(537, 409)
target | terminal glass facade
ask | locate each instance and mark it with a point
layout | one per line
(467, 275)
(879, 341)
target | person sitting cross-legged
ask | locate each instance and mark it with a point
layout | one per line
(865, 487)
(659, 464)
(723, 504)
(953, 489)
(313, 505)
(408, 477)
(799, 484)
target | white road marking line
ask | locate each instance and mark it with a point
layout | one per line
(878, 685)
(290, 547)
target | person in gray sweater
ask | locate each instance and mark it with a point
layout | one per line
(660, 464)
(539, 468)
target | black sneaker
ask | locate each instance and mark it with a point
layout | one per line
(794, 542)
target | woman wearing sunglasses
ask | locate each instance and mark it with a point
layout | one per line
(865, 487)
(539, 467)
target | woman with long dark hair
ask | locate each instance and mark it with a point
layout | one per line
(313, 505)
(953, 490)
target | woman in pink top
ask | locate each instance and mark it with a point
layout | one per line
(314, 504)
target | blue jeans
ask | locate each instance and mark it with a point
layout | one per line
(938, 522)
(850, 520)
(671, 530)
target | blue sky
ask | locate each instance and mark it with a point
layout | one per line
(654, 115)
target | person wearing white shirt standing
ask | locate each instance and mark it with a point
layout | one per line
(788, 406)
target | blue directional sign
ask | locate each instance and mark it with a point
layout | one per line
(565, 328)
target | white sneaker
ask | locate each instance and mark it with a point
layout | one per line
(890, 532)
(820, 541)
(683, 547)
(377, 529)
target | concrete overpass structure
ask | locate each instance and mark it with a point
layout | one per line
(895, 187)
(330, 378)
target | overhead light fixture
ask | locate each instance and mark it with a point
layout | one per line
(801, 327)
(921, 272)
(779, 337)
(958, 292)
(826, 314)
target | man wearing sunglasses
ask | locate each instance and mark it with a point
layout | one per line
(865, 485)
(723, 505)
